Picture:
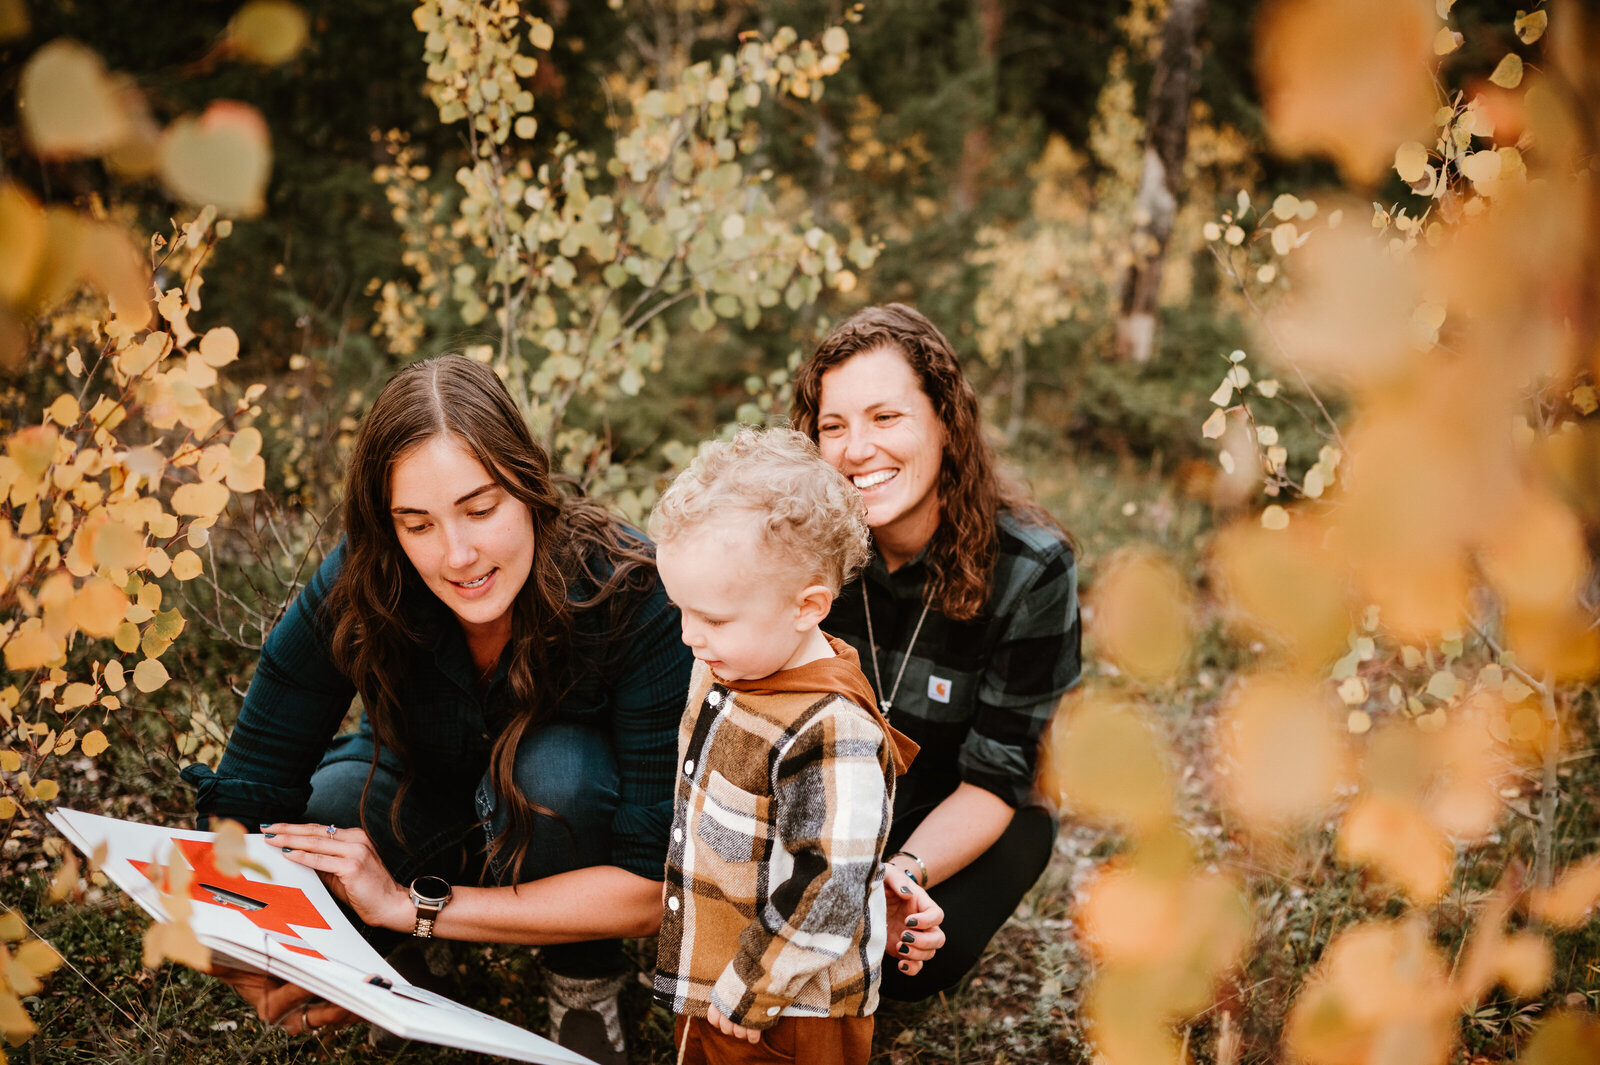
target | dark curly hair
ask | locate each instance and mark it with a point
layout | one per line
(371, 605)
(972, 490)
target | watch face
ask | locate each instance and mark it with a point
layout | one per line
(434, 889)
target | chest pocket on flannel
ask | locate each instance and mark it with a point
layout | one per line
(733, 822)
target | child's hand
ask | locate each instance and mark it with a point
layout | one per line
(727, 1027)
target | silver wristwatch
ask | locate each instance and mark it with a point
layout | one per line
(429, 894)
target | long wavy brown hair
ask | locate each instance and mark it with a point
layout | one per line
(972, 489)
(373, 605)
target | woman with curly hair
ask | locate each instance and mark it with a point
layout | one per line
(966, 620)
(521, 678)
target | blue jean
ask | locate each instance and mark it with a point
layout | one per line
(447, 824)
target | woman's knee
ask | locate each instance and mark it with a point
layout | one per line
(571, 771)
(569, 774)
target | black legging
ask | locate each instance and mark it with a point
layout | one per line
(976, 901)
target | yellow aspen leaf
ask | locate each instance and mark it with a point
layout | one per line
(1284, 235)
(1377, 986)
(198, 371)
(1234, 235)
(1525, 964)
(220, 346)
(1142, 618)
(150, 597)
(30, 647)
(187, 566)
(1351, 79)
(1358, 723)
(199, 534)
(540, 35)
(1442, 7)
(8, 808)
(1446, 41)
(1211, 231)
(1215, 425)
(1275, 518)
(15, 1024)
(46, 790)
(1104, 760)
(68, 102)
(247, 476)
(75, 695)
(1530, 26)
(1392, 835)
(64, 411)
(1480, 167)
(205, 500)
(12, 927)
(1286, 206)
(1353, 690)
(138, 358)
(39, 957)
(94, 743)
(1508, 72)
(10, 760)
(1444, 684)
(221, 157)
(61, 886)
(118, 546)
(215, 461)
(268, 32)
(33, 450)
(22, 241)
(99, 607)
(114, 675)
(149, 675)
(835, 41)
(1568, 902)
(1286, 759)
(1411, 162)
(1514, 691)
(157, 562)
(1583, 399)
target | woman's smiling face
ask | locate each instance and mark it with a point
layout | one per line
(877, 425)
(469, 539)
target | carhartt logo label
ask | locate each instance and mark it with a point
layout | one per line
(939, 689)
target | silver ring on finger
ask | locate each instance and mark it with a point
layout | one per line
(332, 831)
(305, 1018)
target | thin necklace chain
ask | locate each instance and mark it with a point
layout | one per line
(872, 643)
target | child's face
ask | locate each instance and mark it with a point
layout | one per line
(742, 610)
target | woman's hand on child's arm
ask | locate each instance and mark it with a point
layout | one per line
(727, 1027)
(914, 920)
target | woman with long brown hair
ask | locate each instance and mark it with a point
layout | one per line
(966, 620)
(521, 678)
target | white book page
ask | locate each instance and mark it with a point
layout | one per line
(286, 924)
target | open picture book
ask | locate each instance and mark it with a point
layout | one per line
(285, 924)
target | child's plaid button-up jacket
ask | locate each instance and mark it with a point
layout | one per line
(774, 889)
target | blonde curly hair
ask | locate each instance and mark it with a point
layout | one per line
(803, 510)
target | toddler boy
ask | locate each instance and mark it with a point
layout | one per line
(773, 934)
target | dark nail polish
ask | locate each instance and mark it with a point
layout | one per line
(270, 835)
(288, 850)
(904, 890)
(905, 966)
(905, 948)
(911, 922)
(907, 937)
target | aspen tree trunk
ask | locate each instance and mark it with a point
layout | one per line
(1161, 185)
(975, 147)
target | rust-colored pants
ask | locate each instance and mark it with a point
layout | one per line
(802, 1040)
